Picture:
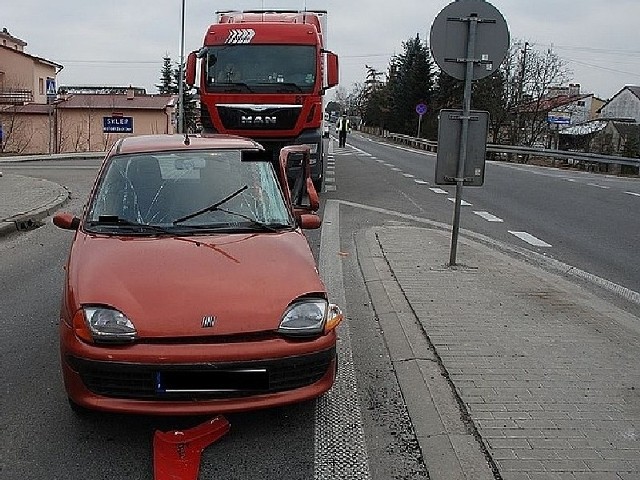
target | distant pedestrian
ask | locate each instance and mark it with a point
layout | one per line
(343, 127)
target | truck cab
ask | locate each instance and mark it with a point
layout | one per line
(263, 75)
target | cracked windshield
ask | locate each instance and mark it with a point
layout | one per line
(214, 189)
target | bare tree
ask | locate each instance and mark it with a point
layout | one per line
(18, 130)
(542, 69)
(342, 97)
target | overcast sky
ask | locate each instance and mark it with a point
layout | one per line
(123, 42)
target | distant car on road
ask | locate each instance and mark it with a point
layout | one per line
(190, 287)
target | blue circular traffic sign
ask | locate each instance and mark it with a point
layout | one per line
(421, 109)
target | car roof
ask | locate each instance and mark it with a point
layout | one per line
(156, 143)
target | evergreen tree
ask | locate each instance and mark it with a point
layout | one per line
(167, 83)
(191, 113)
(413, 84)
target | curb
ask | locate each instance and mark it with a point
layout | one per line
(33, 219)
(450, 445)
(55, 156)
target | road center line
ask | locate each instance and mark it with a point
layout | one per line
(439, 190)
(489, 217)
(530, 239)
(462, 202)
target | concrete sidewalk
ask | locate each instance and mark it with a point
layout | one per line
(25, 201)
(508, 371)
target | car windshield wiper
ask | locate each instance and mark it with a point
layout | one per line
(211, 208)
(114, 220)
(272, 227)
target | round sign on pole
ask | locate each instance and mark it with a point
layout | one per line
(421, 109)
(449, 37)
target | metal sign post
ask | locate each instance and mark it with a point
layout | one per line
(464, 135)
(455, 38)
(421, 109)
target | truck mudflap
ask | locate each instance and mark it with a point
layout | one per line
(176, 454)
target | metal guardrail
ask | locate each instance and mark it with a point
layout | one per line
(55, 156)
(431, 146)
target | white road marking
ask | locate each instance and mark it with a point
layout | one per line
(530, 239)
(489, 217)
(633, 193)
(598, 186)
(395, 169)
(408, 175)
(421, 182)
(439, 190)
(462, 202)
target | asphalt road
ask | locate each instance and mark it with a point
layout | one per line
(43, 439)
(586, 220)
(584, 224)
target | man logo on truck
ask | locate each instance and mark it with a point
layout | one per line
(258, 120)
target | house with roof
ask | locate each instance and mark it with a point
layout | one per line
(560, 107)
(616, 131)
(624, 105)
(24, 78)
(92, 122)
(38, 118)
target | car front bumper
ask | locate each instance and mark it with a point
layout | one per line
(196, 378)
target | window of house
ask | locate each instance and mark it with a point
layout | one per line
(581, 103)
(41, 86)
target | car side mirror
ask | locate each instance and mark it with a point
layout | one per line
(66, 221)
(294, 161)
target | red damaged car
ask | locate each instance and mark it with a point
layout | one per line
(190, 287)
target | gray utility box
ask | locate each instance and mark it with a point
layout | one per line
(449, 146)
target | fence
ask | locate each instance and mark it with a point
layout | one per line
(514, 153)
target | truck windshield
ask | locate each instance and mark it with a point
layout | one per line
(261, 68)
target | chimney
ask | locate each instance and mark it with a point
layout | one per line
(130, 93)
(574, 89)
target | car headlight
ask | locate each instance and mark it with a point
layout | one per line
(310, 317)
(306, 317)
(104, 325)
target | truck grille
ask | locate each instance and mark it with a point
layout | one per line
(243, 117)
(201, 381)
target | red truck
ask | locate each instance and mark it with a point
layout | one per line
(263, 75)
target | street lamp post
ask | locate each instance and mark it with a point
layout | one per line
(181, 79)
